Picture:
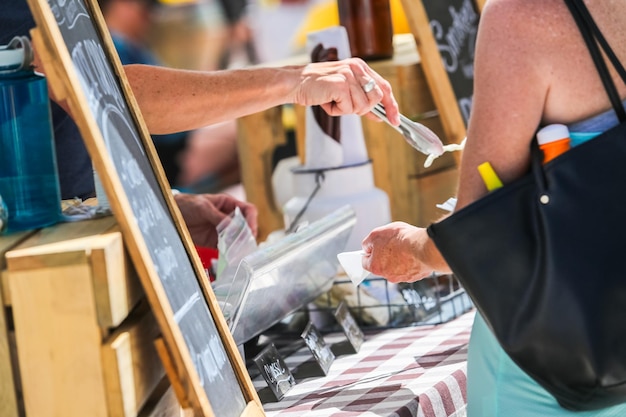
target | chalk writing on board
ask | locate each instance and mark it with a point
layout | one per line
(318, 347)
(275, 372)
(149, 208)
(454, 27)
(350, 327)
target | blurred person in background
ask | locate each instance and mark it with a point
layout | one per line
(201, 160)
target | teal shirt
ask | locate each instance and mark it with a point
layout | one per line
(585, 130)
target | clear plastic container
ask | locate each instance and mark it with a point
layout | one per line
(282, 277)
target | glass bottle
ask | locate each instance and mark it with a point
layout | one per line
(369, 27)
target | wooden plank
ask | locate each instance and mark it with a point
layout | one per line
(434, 189)
(58, 341)
(8, 395)
(114, 291)
(394, 161)
(164, 403)
(172, 370)
(132, 368)
(438, 79)
(67, 231)
(10, 403)
(258, 135)
(7, 243)
(116, 287)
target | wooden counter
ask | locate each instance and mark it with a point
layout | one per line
(398, 169)
(81, 335)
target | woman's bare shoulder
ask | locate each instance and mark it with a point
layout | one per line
(526, 19)
(539, 38)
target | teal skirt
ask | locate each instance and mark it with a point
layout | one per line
(497, 387)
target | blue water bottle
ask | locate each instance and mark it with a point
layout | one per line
(29, 182)
(4, 215)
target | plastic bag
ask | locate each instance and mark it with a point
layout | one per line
(235, 240)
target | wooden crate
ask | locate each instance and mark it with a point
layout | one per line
(85, 334)
(10, 388)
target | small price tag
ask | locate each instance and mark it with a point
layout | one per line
(272, 366)
(350, 328)
(318, 347)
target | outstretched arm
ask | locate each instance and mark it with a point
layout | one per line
(173, 100)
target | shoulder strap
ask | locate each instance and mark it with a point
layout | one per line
(591, 33)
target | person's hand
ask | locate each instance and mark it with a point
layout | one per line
(339, 88)
(203, 212)
(397, 252)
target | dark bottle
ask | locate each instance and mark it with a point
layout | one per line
(369, 27)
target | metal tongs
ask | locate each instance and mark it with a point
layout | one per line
(416, 134)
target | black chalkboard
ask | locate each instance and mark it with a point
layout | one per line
(349, 325)
(201, 348)
(454, 24)
(275, 372)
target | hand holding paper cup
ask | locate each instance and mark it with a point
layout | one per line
(351, 263)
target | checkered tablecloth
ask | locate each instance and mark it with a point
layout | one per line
(402, 372)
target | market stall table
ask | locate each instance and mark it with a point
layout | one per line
(401, 372)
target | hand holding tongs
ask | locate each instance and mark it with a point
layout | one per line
(416, 134)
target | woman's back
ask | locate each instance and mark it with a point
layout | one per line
(532, 68)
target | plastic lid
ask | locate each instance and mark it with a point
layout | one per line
(11, 58)
(16, 55)
(552, 133)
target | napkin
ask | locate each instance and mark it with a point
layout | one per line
(351, 263)
(339, 141)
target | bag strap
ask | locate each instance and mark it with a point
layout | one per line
(591, 33)
(600, 38)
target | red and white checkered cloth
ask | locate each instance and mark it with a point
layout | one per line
(410, 371)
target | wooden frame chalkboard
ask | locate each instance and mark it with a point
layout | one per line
(200, 355)
(445, 34)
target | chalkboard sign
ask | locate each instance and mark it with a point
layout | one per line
(75, 44)
(445, 32)
(275, 372)
(349, 326)
(322, 353)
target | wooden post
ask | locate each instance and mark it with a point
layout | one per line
(453, 31)
(259, 134)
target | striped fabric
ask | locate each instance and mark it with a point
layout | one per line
(402, 372)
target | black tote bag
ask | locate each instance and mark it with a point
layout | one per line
(544, 260)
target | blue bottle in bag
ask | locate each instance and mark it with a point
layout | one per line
(29, 182)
